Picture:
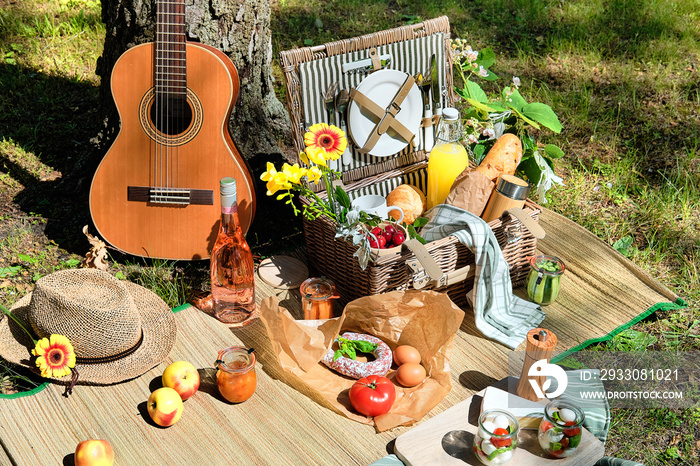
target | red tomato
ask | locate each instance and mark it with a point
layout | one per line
(545, 426)
(572, 432)
(501, 442)
(372, 395)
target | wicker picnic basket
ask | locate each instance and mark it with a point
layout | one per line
(308, 71)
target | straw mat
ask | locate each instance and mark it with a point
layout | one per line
(601, 293)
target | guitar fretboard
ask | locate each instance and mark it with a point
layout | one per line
(170, 62)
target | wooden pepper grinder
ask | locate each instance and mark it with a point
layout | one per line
(540, 345)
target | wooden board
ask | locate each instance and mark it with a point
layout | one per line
(448, 439)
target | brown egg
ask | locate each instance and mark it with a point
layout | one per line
(405, 353)
(410, 374)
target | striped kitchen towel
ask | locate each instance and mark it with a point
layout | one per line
(499, 314)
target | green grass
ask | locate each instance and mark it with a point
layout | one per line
(621, 74)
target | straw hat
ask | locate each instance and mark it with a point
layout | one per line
(119, 330)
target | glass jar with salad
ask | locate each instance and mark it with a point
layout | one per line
(497, 437)
(544, 279)
(560, 428)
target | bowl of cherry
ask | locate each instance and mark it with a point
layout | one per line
(387, 238)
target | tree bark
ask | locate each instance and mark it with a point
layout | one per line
(239, 28)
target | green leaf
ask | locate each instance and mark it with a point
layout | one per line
(553, 151)
(365, 346)
(337, 354)
(9, 271)
(486, 57)
(420, 222)
(342, 197)
(554, 446)
(526, 119)
(622, 245)
(575, 440)
(479, 152)
(514, 100)
(491, 76)
(542, 113)
(71, 263)
(26, 258)
(480, 106)
(474, 91)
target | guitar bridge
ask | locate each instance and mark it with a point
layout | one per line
(170, 196)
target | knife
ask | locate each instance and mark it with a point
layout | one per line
(365, 65)
(428, 137)
(435, 85)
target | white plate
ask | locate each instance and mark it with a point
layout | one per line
(380, 87)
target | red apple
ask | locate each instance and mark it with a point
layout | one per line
(165, 406)
(182, 377)
(94, 452)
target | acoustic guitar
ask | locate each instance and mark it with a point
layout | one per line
(155, 193)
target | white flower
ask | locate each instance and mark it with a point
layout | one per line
(483, 72)
(489, 133)
(471, 54)
(472, 139)
(516, 81)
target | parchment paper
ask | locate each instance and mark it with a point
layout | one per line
(426, 320)
(471, 191)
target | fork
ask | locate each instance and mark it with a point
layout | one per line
(426, 84)
(329, 103)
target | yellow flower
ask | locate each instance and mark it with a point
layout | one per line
(314, 155)
(275, 180)
(330, 141)
(293, 173)
(56, 356)
(314, 174)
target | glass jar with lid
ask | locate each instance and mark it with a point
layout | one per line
(236, 378)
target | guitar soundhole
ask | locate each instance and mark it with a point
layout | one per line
(171, 114)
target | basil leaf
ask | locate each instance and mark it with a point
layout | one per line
(575, 440)
(338, 353)
(554, 446)
(350, 352)
(365, 346)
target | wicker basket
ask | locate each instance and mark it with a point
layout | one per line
(333, 257)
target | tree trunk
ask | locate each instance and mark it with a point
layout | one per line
(239, 28)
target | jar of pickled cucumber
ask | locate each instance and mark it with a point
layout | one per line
(543, 281)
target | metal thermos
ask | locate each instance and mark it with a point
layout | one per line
(510, 193)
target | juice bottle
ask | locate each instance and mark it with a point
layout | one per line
(447, 159)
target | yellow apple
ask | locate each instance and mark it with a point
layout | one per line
(165, 406)
(94, 452)
(182, 377)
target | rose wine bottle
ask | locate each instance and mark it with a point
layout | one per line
(232, 270)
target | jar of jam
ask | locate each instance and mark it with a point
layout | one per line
(317, 295)
(236, 377)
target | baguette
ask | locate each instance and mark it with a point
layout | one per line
(503, 158)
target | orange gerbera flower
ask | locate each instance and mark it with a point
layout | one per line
(329, 140)
(56, 356)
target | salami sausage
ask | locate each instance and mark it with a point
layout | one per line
(357, 369)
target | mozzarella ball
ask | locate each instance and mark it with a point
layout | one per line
(567, 415)
(487, 447)
(501, 421)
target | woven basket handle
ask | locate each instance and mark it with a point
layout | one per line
(426, 270)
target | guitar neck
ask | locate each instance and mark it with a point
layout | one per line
(171, 55)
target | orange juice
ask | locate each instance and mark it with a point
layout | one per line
(447, 160)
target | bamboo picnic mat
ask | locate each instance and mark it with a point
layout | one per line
(602, 292)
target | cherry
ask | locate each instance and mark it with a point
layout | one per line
(390, 229)
(373, 243)
(376, 231)
(388, 235)
(398, 238)
(381, 240)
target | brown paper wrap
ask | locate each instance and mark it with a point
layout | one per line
(426, 320)
(471, 191)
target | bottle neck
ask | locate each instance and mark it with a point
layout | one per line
(450, 131)
(229, 216)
